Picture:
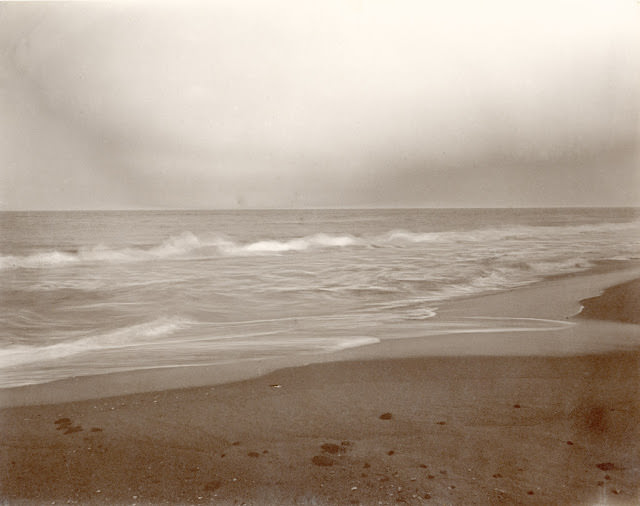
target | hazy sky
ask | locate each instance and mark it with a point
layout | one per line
(294, 104)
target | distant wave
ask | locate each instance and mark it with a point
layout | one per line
(187, 244)
(124, 337)
(173, 246)
(514, 232)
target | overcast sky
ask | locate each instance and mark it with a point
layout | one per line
(319, 104)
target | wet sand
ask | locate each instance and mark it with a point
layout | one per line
(503, 418)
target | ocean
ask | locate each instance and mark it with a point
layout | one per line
(95, 292)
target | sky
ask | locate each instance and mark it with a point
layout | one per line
(290, 104)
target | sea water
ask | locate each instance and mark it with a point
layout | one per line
(85, 293)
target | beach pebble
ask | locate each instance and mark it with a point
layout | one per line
(386, 416)
(322, 460)
(212, 485)
(330, 448)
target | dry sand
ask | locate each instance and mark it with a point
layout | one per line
(494, 418)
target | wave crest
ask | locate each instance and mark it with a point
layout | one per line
(123, 337)
(188, 243)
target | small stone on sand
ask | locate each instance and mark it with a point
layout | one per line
(322, 460)
(330, 448)
(386, 416)
(606, 466)
(212, 485)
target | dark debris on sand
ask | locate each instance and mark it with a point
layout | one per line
(322, 460)
(331, 448)
(66, 424)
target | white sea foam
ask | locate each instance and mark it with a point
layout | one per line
(296, 244)
(187, 243)
(124, 337)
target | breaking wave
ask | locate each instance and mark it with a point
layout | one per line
(123, 337)
(187, 244)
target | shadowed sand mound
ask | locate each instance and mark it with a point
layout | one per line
(618, 303)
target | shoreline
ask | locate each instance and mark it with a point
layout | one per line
(503, 304)
(524, 417)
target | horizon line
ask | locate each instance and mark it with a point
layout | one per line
(327, 208)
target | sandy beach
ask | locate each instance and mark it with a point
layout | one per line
(491, 418)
